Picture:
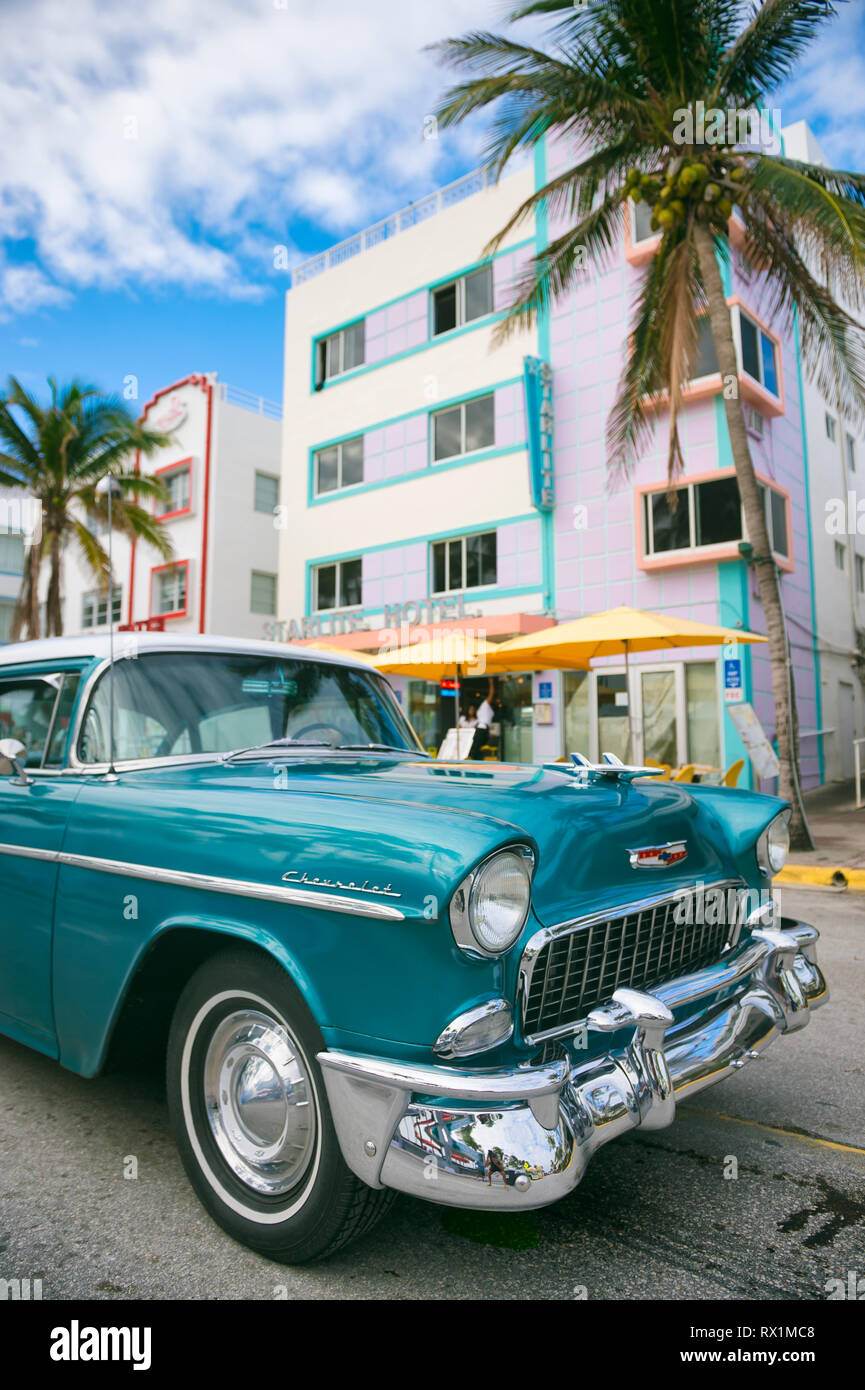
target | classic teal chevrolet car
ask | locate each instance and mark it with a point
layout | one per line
(370, 971)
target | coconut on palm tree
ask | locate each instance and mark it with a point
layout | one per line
(624, 79)
(60, 453)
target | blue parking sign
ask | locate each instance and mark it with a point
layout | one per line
(732, 679)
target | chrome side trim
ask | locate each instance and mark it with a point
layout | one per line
(330, 902)
(24, 852)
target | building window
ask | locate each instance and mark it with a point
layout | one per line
(11, 553)
(266, 493)
(840, 556)
(464, 428)
(94, 607)
(464, 562)
(463, 300)
(641, 219)
(339, 466)
(758, 354)
(169, 590)
(339, 352)
(263, 593)
(177, 479)
(708, 514)
(850, 448)
(706, 363)
(830, 427)
(338, 585)
(860, 574)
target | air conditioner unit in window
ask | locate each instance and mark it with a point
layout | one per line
(755, 423)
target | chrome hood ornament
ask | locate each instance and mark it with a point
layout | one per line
(612, 768)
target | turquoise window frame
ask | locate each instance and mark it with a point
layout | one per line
(464, 588)
(315, 499)
(485, 321)
(469, 455)
(493, 525)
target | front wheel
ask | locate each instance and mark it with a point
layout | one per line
(250, 1116)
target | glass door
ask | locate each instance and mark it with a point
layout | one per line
(661, 724)
(613, 710)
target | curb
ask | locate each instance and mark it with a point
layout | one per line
(822, 876)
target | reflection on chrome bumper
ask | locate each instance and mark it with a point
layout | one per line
(427, 1130)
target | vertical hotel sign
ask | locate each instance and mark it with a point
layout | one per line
(539, 419)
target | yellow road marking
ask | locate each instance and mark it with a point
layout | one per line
(773, 1129)
(822, 876)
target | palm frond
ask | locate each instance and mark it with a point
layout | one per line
(642, 381)
(553, 271)
(768, 49)
(833, 343)
(93, 552)
(823, 209)
(575, 191)
(139, 523)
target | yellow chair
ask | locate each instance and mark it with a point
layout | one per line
(685, 774)
(731, 776)
(665, 769)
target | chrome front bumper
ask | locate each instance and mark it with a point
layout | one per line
(425, 1129)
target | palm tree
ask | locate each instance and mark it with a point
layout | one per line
(623, 79)
(60, 453)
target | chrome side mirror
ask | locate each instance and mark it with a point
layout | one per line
(10, 761)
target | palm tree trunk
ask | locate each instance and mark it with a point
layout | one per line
(53, 609)
(26, 616)
(786, 728)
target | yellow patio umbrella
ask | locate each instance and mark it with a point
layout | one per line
(362, 657)
(616, 632)
(450, 654)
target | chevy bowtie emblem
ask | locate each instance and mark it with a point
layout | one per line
(659, 856)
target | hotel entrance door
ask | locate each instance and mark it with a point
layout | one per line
(672, 707)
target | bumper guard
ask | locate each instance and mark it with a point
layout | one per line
(426, 1130)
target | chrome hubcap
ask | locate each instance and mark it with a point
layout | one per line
(260, 1101)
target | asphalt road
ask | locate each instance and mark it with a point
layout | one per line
(654, 1218)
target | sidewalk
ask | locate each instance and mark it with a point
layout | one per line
(838, 830)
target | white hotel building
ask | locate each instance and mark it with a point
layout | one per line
(420, 488)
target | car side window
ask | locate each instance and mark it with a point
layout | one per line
(27, 706)
(55, 753)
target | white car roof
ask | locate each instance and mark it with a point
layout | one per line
(64, 648)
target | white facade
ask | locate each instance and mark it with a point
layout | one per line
(836, 467)
(223, 466)
(417, 374)
(13, 542)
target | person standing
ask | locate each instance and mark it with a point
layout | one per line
(486, 716)
(469, 719)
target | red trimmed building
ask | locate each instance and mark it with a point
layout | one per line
(222, 471)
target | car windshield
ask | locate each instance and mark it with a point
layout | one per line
(167, 704)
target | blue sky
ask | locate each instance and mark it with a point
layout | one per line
(156, 155)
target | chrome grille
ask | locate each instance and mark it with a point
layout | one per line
(567, 972)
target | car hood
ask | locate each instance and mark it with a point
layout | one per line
(427, 823)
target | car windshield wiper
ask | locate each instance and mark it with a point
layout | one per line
(278, 743)
(382, 748)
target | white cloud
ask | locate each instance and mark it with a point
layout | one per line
(828, 89)
(141, 141)
(156, 144)
(25, 288)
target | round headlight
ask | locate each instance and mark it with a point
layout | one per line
(490, 907)
(774, 844)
